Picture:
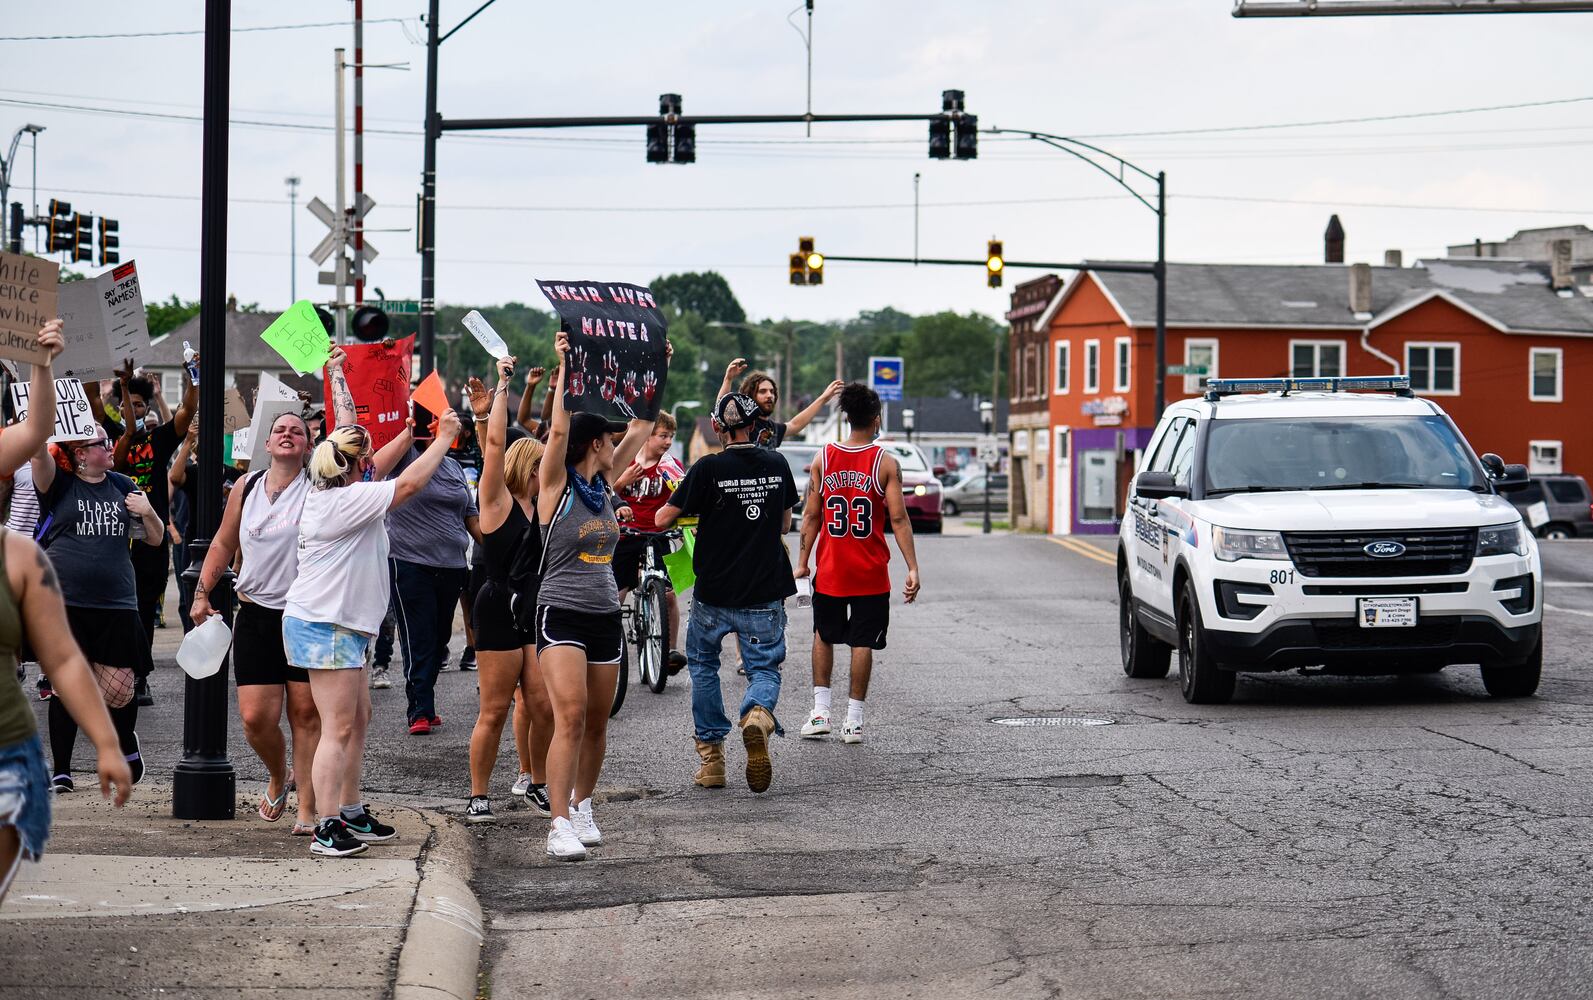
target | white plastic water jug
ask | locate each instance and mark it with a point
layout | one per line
(205, 648)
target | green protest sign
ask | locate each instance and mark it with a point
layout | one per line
(299, 336)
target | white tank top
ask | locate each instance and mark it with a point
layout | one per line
(268, 536)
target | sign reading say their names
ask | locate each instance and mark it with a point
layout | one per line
(28, 292)
(72, 419)
(618, 351)
(105, 324)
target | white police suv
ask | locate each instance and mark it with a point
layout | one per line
(1333, 522)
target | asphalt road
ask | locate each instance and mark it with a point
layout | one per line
(1320, 836)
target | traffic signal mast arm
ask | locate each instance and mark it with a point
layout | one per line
(984, 263)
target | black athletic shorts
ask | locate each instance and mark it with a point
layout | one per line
(258, 656)
(600, 635)
(852, 621)
(628, 559)
(496, 631)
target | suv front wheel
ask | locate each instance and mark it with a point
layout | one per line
(1202, 681)
(1520, 681)
(1143, 656)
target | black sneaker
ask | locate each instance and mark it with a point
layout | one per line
(141, 692)
(333, 839)
(479, 810)
(135, 760)
(467, 659)
(676, 662)
(369, 829)
(46, 691)
(537, 798)
(61, 784)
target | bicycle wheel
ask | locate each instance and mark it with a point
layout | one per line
(623, 680)
(652, 637)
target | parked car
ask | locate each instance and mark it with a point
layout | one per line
(968, 493)
(920, 489)
(800, 457)
(1566, 506)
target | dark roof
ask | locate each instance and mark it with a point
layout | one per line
(943, 415)
(245, 349)
(1516, 295)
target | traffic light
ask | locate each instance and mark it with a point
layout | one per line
(58, 207)
(994, 263)
(685, 144)
(940, 138)
(109, 241)
(968, 137)
(807, 264)
(82, 238)
(61, 234)
(368, 325)
(799, 269)
(658, 143)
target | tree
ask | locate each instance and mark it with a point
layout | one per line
(164, 317)
(706, 293)
(950, 354)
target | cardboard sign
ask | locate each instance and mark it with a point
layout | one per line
(105, 324)
(234, 415)
(378, 379)
(272, 389)
(618, 364)
(300, 337)
(73, 421)
(28, 300)
(266, 412)
(485, 335)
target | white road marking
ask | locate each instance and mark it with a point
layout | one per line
(1569, 611)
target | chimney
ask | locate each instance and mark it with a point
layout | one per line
(1333, 242)
(232, 303)
(1393, 258)
(1560, 267)
(1361, 291)
(1476, 247)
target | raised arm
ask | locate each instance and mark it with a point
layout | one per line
(419, 472)
(890, 474)
(186, 409)
(493, 496)
(44, 469)
(124, 443)
(527, 399)
(555, 387)
(733, 371)
(800, 422)
(343, 412)
(20, 443)
(223, 549)
(553, 477)
(393, 452)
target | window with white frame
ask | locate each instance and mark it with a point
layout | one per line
(1316, 358)
(171, 385)
(1545, 385)
(1092, 366)
(1020, 442)
(1204, 354)
(1544, 457)
(1063, 353)
(1122, 355)
(1434, 368)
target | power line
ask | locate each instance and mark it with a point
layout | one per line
(197, 31)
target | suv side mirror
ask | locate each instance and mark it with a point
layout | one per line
(1512, 479)
(1493, 465)
(1158, 486)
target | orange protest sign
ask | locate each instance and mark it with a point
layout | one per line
(431, 394)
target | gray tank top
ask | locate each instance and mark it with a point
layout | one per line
(578, 557)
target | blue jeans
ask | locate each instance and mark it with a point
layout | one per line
(760, 629)
(427, 597)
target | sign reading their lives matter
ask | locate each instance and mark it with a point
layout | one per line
(378, 379)
(617, 347)
(105, 324)
(28, 290)
(300, 337)
(72, 420)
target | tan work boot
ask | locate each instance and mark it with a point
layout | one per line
(756, 728)
(712, 772)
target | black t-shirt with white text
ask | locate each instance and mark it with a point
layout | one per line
(740, 497)
(89, 533)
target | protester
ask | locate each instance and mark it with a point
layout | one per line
(742, 498)
(30, 606)
(507, 656)
(644, 487)
(335, 605)
(578, 613)
(88, 516)
(428, 538)
(523, 416)
(761, 387)
(853, 488)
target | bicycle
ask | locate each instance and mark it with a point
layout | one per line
(645, 619)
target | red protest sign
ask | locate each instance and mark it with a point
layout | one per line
(378, 378)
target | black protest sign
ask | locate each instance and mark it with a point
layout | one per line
(617, 349)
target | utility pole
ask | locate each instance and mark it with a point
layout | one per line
(915, 214)
(427, 242)
(359, 150)
(340, 210)
(293, 238)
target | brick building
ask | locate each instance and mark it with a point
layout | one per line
(1029, 419)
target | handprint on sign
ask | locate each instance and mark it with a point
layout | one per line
(610, 377)
(577, 380)
(649, 387)
(628, 387)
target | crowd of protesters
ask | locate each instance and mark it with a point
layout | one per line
(335, 541)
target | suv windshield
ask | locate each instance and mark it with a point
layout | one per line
(1325, 453)
(907, 456)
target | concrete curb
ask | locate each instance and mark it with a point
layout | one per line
(441, 953)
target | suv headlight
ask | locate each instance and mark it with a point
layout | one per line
(1501, 540)
(1232, 544)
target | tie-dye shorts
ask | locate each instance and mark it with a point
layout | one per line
(323, 645)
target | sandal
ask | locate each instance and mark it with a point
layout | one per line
(302, 829)
(271, 809)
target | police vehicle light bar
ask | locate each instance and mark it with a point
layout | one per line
(1363, 383)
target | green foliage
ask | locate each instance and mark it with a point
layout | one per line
(949, 354)
(167, 316)
(707, 294)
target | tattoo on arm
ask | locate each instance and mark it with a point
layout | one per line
(47, 572)
(342, 398)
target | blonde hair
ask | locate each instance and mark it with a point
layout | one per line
(334, 458)
(520, 463)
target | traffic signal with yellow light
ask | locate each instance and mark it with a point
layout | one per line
(109, 242)
(995, 261)
(807, 264)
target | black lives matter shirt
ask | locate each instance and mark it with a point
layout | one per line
(89, 538)
(740, 497)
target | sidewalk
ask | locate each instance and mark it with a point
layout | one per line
(134, 903)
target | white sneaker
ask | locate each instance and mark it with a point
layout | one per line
(380, 678)
(816, 726)
(852, 732)
(563, 844)
(585, 826)
(521, 785)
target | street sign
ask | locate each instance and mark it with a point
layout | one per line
(988, 452)
(1188, 370)
(399, 307)
(885, 378)
(340, 234)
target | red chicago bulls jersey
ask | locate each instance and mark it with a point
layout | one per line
(853, 559)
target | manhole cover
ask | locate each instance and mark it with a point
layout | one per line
(1051, 720)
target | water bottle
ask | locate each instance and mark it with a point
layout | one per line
(804, 594)
(189, 363)
(204, 649)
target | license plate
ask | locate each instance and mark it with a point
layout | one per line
(1386, 612)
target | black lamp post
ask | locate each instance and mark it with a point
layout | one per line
(907, 424)
(987, 416)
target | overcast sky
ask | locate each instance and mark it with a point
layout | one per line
(587, 205)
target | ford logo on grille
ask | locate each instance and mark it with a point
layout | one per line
(1385, 549)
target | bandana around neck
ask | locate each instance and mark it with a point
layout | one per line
(592, 494)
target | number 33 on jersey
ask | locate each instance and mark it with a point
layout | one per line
(853, 560)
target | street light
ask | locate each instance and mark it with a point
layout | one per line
(674, 410)
(907, 424)
(13, 241)
(987, 416)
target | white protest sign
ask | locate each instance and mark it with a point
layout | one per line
(266, 412)
(485, 335)
(104, 324)
(240, 443)
(72, 420)
(272, 389)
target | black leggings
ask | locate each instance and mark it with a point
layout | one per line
(63, 732)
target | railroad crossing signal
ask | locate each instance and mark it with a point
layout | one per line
(994, 262)
(807, 264)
